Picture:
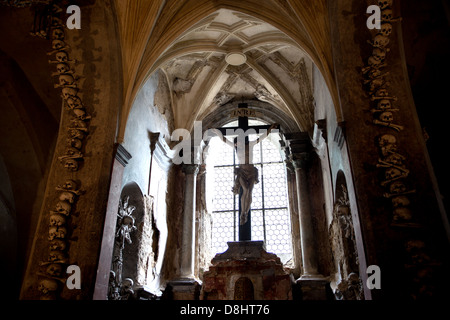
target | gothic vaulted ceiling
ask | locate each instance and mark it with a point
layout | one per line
(189, 40)
(276, 70)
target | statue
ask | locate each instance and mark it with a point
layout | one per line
(120, 289)
(246, 175)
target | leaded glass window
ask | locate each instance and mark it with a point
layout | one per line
(269, 209)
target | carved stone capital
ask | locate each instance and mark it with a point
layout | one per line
(300, 160)
(190, 168)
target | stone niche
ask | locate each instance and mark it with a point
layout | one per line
(246, 272)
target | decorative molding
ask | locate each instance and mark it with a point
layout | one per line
(122, 155)
(162, 152)
(339, 134)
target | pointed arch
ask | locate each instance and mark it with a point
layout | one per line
(304, 23)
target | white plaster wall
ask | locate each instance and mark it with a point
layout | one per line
(144, 118)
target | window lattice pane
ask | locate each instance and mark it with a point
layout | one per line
(270, 215)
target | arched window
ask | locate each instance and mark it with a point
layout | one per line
(269, 209)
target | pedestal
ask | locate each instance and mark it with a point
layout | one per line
(246, 271)
(313, 289)
(182, 289)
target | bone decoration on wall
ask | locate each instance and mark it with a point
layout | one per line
(384, 115)
(52, 270)
(392, 163)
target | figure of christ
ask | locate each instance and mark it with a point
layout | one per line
(246, 175)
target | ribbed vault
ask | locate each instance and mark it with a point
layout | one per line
(189, 42)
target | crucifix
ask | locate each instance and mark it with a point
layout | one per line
(246, 175)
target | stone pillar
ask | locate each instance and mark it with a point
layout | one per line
(186, 287)
(104, 264)
(311, 283)
(188, 238)
(309, 257)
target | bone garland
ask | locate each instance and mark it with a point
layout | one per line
(383, 113)
(67, 81)
(52, 270)
(58, 233)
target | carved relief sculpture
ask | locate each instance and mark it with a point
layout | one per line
(343, 244)
(121, 289)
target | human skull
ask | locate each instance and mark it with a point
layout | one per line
(81, 114)
(379, 54)
(57, 220)
(66, 80)
(387, 144)
(384, 104)
(62, 57)
(400, 201)
(58, 34)
(397, 187)
(380, 41)
(127, 285)
(395, 159)
(56, 233)
(387, 15)
(382, 92)
(48, 286)
(387, 139)
(68, 93)
(386, 29)
(76, 143)
(54, 270)
(386, 116)
(71, 164)
(74, 102)
(58, 244)
(67, 196)
(402, 214)
(62, 68)
(383, 4)
(392, 173)
(128, 221)
(63, 207)
(58, 44)
(70, 185)
(56, 255)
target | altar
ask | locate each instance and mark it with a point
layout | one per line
(246, 271)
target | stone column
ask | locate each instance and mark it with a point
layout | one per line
(312, 284)
(309, 257)
(188, 240)
(121, 159)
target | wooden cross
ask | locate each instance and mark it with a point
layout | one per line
(243, 113)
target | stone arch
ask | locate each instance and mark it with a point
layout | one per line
(243, 289)
(180, 22)
(133, 252)
(269, 114)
